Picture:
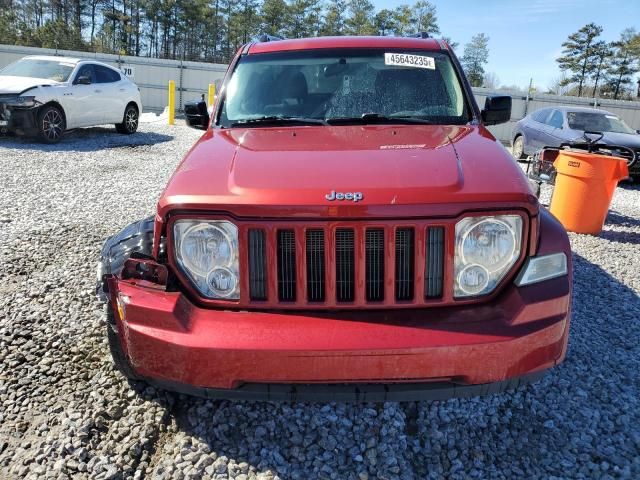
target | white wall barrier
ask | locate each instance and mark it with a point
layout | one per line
(192, 80)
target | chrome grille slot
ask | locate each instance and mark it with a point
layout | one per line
(315, 265)
(286, 266)
(434, 265)
(374, 251)
(345, 265)
(257, 265)
(404, 263)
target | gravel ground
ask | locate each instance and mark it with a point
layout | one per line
(65, 412)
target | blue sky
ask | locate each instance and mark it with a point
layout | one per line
(526, 36)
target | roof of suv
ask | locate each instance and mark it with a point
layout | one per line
(346, 42)
(53, 58)
(72, 60)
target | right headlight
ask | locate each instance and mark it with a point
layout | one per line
(486, 248)
(207, 252)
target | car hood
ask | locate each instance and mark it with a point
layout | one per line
(610, 138)
(17, 85)
(409, 165)
(622, 139)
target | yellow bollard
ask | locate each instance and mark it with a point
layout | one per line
(172, 102)
(212, 94)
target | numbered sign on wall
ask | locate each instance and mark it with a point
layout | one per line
(127, 70)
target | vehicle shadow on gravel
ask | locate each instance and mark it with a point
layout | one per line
(623, 228)
(87, 140)
(614, 218)
(579, 418)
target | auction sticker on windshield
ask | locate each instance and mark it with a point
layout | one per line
(408, 60)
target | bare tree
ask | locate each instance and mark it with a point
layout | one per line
(490, 80)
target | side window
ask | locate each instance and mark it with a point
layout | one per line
(86, 71)
(556, 119)
(540, 116)
(106, 75)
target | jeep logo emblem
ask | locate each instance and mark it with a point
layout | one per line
(353, 196)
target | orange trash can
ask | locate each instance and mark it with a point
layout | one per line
(584, 187)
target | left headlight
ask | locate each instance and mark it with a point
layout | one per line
(207, 252)
(25, 102)
(486, 248)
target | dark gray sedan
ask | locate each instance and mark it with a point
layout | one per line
(549, 127)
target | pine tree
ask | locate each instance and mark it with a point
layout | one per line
(402, 19)
(602, 53)
(334, 22)
(385, 22)
(424, 18)
(475, 57)
(274, 17)
(360, 19)
(304, 18)
(625, 62)
(578, 55)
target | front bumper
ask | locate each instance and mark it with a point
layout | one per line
(368, 355)
(18, 120)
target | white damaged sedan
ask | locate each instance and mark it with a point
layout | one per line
(46, 96)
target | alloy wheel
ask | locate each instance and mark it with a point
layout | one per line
(518, 147)
(131, 120)
(52, 125)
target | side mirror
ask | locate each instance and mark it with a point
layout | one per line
(638, 131)
(83, 80)
(497, 109)
(197, 114)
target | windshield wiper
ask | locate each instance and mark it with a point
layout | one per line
(369, 118)
(277, 120)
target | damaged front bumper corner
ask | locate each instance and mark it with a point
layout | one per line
(134, 242)
(18, 114)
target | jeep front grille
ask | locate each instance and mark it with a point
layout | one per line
(346, 265)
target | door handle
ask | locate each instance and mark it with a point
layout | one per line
(123, 90)
(98, 91)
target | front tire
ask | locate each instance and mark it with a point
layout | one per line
(130, 121)
(518, 148)
(51, 124)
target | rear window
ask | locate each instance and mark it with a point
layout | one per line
(339, 83)
(106, 75)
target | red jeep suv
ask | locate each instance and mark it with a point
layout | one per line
(345, 229)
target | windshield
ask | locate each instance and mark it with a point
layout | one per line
(56, 70)
(324, 85)
(597, 122)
